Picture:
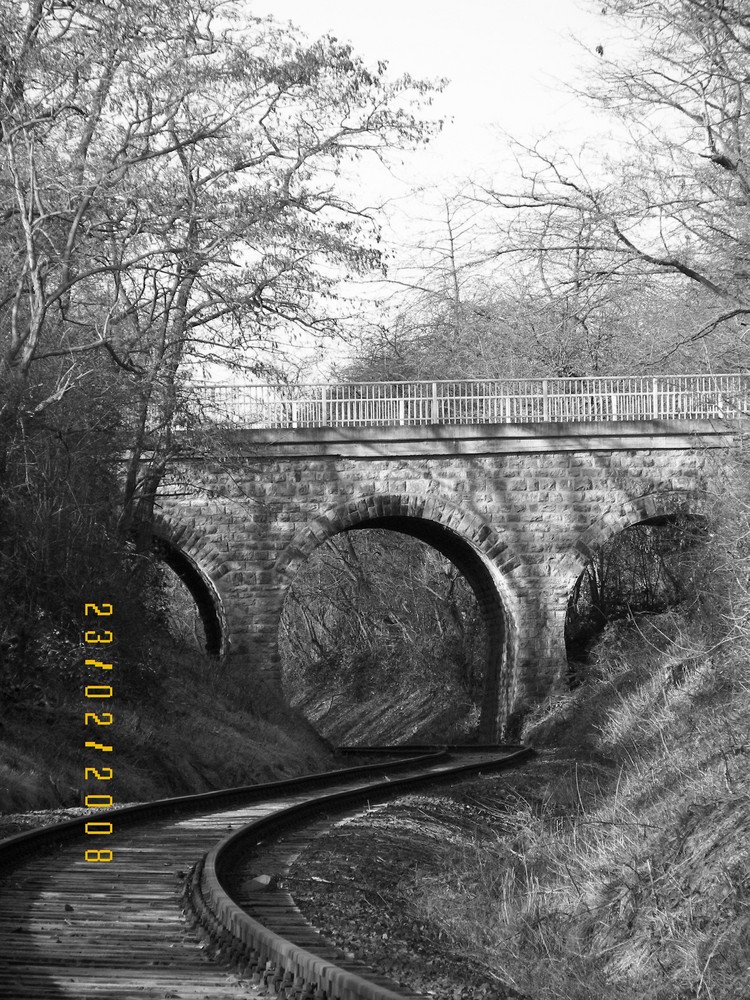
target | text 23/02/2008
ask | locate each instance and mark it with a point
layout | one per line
(97, 693)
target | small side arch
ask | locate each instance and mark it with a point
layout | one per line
(472, 546)
(191, 558)
(663, 504)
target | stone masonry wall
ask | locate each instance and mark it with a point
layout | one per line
(519, 519)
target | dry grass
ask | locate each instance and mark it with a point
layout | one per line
(630, 877)
(417, 716)
(200, 727)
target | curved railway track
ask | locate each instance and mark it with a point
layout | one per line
(185, 872)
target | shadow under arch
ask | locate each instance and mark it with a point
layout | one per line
(463, 538)
(661, 505)
(659, 508)
(172, 545)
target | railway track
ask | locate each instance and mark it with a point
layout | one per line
(182, 911)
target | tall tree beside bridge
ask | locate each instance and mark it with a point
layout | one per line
(171, 193)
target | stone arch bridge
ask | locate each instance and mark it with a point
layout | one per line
(519, 508)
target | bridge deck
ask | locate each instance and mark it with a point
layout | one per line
(474, 440)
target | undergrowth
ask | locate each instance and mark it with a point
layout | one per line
(628, 873)
(200, 724)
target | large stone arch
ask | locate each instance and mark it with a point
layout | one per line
(192, 557)
(467, 540)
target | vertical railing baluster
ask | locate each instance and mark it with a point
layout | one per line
(545, 400)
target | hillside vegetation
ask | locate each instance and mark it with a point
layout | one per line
(182, 721)
(181, 196)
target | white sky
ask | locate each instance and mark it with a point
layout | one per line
(508, 63)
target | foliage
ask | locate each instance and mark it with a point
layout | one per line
(501, 291)
(170, 171)
(626, 873)
(169, 194)
(211, 728)
(626, 255)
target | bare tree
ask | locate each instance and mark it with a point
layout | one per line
(665, 215)
(168, 194)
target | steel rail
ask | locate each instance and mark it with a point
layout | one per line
(20, 845)
(272, 958)
(68, 931)
(78, 930)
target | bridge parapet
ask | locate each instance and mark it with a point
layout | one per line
(473, 401)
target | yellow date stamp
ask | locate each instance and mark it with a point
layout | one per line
(95, 694)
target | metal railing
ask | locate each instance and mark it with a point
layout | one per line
(472, 401)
